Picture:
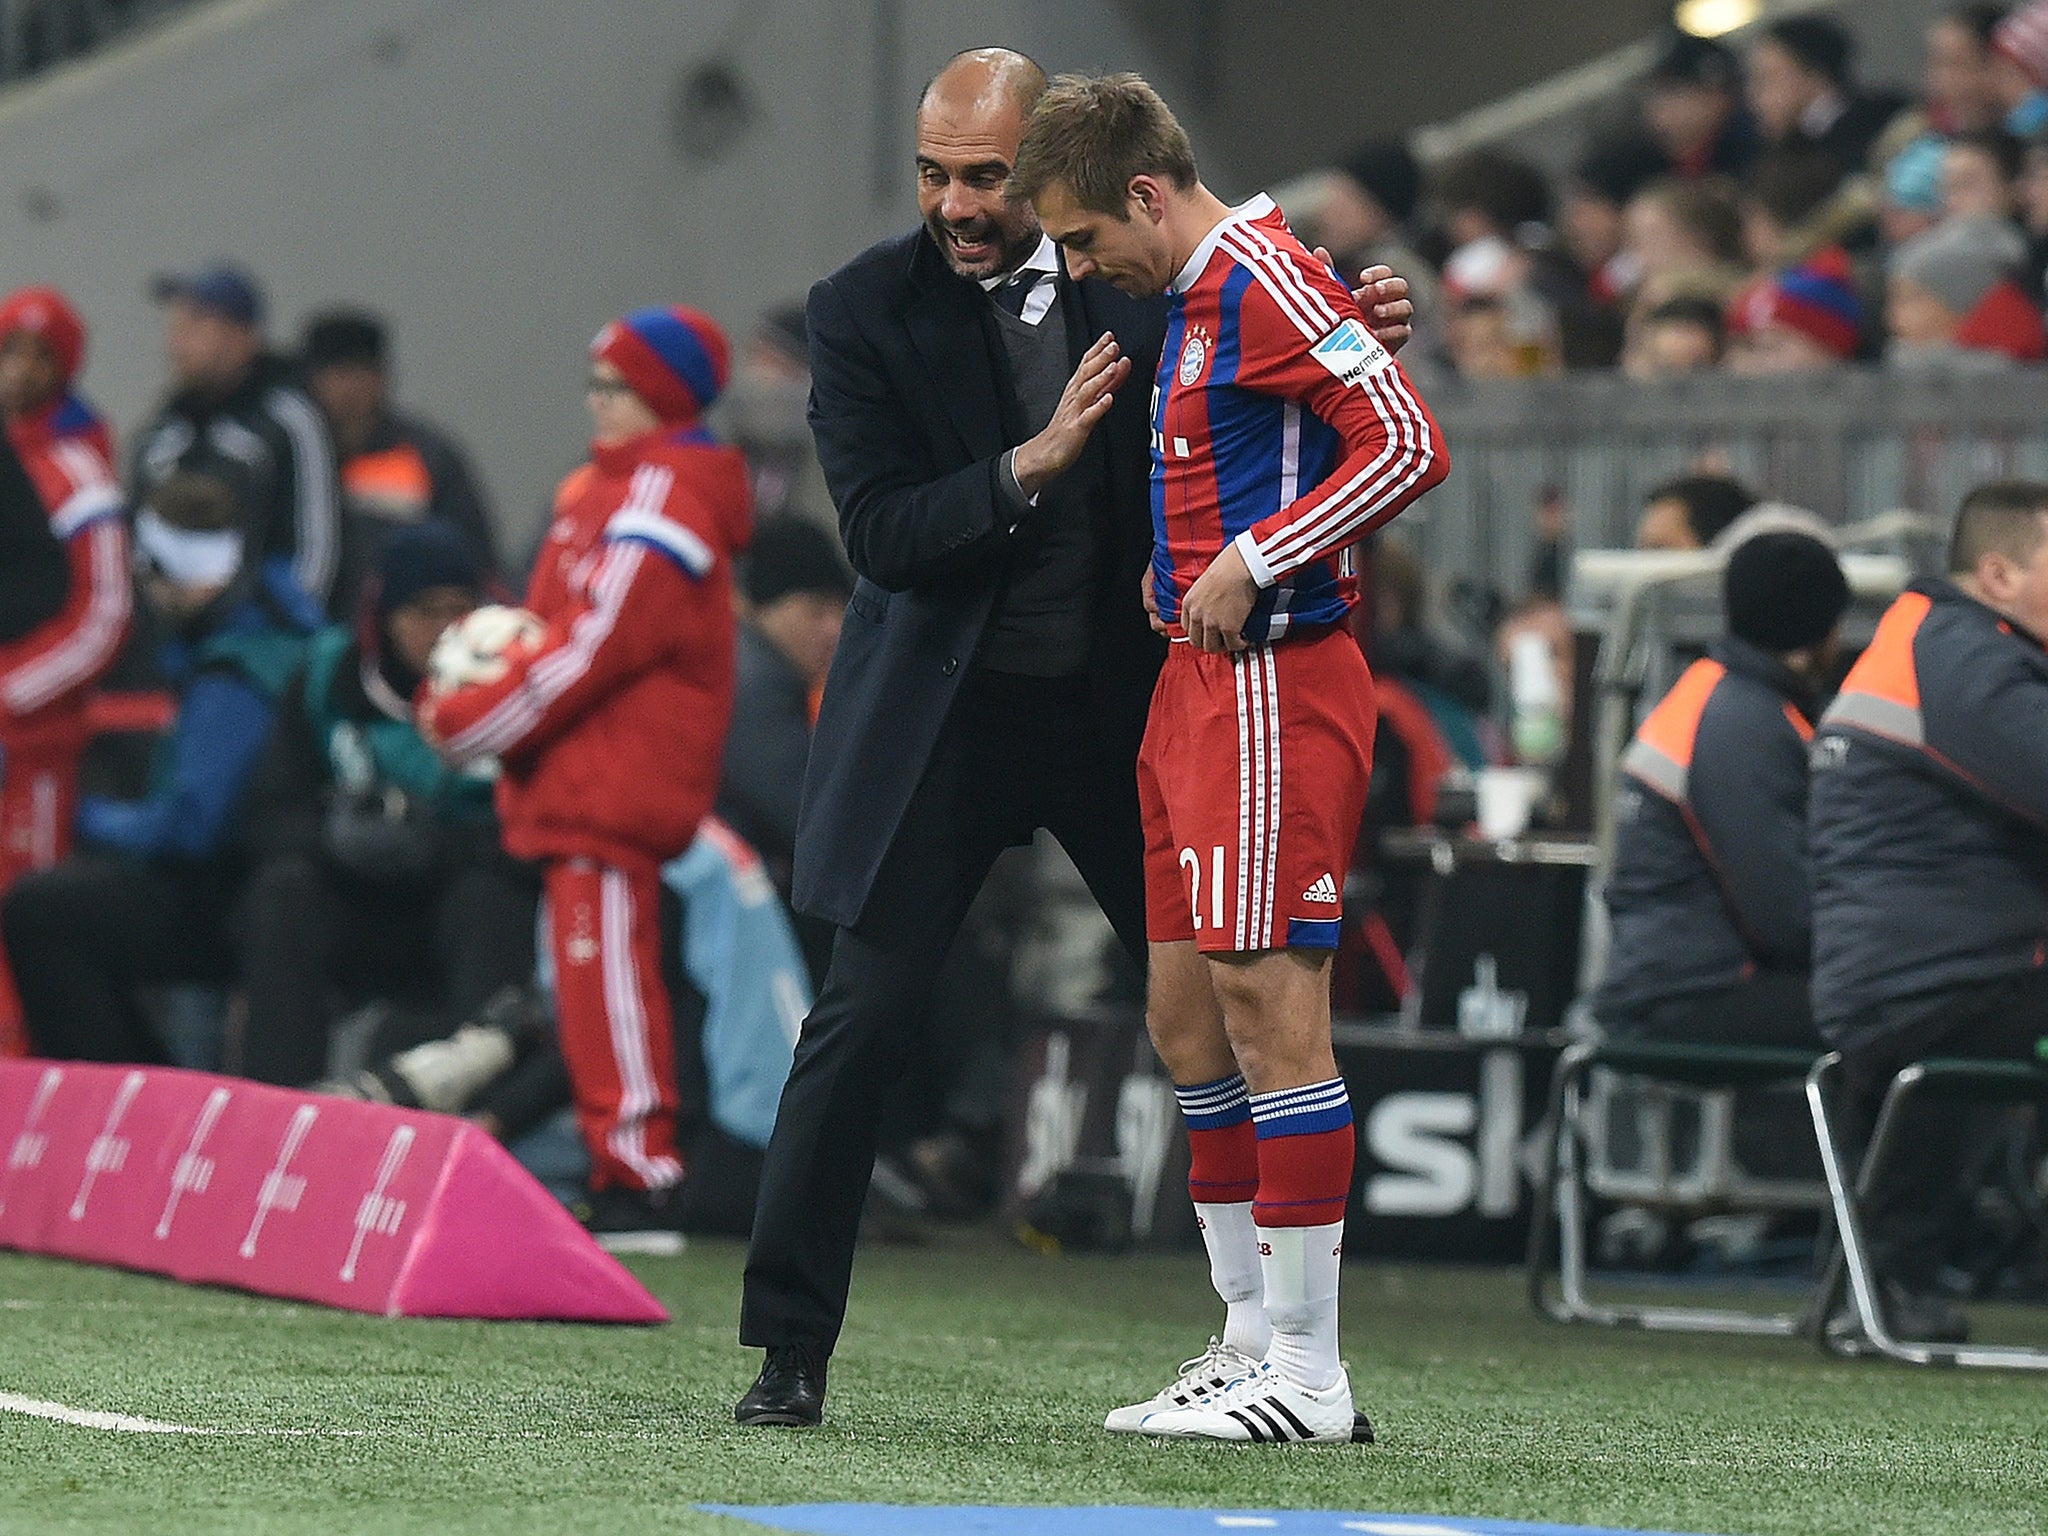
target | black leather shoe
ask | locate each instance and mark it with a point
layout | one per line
(789, 1390)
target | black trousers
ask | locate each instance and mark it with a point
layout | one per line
(1016, 755)
(1924, 1191)
(82, 937)
(304, 927)
(1768, 1009)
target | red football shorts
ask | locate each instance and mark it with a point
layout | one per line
(1252, 781)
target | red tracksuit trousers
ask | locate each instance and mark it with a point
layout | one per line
(617, 1030)
(38, 799)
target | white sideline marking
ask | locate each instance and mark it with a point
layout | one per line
(86, 1418)
(1246, 1522)
(1402, 1528)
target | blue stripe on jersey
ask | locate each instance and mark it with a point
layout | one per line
(1165, 591)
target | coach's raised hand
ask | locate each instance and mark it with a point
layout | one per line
(1083, 403)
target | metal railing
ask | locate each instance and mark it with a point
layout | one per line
(1850, 445)
(36, 34)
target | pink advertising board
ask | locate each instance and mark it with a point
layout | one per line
(224, 1182)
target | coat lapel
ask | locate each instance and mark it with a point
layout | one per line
(944, 321)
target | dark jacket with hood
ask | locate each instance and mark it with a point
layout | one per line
(1710, 866)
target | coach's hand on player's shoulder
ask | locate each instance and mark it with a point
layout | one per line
(1216, 606)
(1084, 402)
(1384, 299)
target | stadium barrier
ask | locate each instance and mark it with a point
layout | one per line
(1851, 445)
(214, 1180)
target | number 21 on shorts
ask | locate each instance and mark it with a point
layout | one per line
(1191, 861)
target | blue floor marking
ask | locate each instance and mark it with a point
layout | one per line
(1116, 1520)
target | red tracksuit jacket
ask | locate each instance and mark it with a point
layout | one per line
(612, 724)
(45, 675)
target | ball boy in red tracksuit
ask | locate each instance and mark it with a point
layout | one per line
(46, 674)
(610, 726)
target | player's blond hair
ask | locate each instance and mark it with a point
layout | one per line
(1092, 134)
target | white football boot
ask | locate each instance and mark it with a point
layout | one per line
(1264, 1407)
(1200, 1378)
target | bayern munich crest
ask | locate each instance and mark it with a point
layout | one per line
(1193, 356)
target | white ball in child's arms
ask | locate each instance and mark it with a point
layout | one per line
(473, 650)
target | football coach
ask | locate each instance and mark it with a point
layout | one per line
(982, 423)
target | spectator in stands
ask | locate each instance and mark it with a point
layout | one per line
(1912, 191)
(1364, 215)
(395, 468)
(1596, 195)
(1679, 336)
(1803, 93)
(1795, 202)
(1953, 300)
(1960, 93)
(1480, 342)
(761, 413)
(1693, 108)
(2019, 69)
(1804, 320)
(376, 868)
(796, 584)
(1980, 174)
(1489, 199)
(1451, 684)
(611, 726)
(1711, 918)
(2032, 200)
(1929, 840)
(235, 415)
(145, 899)
(47, 670)
(1691, 511)
(1685, 239)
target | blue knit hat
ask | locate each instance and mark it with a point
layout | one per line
(673, 357)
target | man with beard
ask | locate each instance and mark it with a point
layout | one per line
(992, 678)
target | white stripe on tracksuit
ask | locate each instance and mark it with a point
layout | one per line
(1409, 448)
(550, 677)
(315, 489)
(553, 675)
(90, 646)
(631, 1051)
(1258, 794)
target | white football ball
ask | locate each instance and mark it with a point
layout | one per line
(472, 650)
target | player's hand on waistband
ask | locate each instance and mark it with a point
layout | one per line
(1083, 403)
(1150, 598)
(1216, 606)
(1384, 299)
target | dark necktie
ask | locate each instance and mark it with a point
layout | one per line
(1012, 294)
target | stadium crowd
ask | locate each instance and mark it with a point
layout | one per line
(1759, 210)
(271, 804)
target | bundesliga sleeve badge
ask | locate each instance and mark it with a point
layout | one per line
(1351, 352)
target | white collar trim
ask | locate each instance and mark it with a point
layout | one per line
(1044, 259)
(1248, 212)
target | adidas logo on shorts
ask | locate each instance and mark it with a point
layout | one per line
(1325, 889)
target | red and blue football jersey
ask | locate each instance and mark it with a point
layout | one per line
(1279, 422)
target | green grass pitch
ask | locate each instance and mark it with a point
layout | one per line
(969, 1374)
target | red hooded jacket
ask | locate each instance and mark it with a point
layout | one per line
(46, 674)
(612, 723)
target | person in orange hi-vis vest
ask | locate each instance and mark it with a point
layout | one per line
(610, 725)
